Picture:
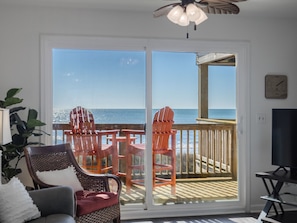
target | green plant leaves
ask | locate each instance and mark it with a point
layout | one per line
(22, 131)
(32, 120)
(10, 99)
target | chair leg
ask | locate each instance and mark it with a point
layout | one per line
(115, 162)
(117, 220)
(173, 189)
(99, 164)
(128, 173)
(154, 173)
(173, 174)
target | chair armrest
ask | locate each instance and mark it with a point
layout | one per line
(133, 131)
(100, 182)
(115, 184)
(54, 200)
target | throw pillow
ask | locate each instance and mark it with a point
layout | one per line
(65, 177)
(16, 205)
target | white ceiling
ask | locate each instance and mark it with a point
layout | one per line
(261, 8)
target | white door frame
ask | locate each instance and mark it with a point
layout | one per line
(242, 51)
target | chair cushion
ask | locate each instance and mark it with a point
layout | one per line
(54, 218)
(88, 201)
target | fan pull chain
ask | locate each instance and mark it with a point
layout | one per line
(195, 28)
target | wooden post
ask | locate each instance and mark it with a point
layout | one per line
(234, 153)
(203, 91)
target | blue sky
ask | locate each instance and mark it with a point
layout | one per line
(116, 79)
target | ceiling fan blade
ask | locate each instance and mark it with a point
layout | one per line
(222, 1)
(201, 3)
(208, 6)
(164, 10)
(220, 7)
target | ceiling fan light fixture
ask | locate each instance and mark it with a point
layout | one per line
(175, 14)
(184, 15)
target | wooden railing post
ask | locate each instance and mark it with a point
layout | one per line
(234, 153)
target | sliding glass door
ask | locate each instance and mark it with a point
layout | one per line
(124, 83)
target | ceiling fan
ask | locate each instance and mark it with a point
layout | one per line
(186, 11)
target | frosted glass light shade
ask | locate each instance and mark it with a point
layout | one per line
(183, 21)
(202, 17)
(5, 133)
(193, 12)
(175, 14)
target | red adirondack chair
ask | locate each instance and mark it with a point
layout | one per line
(163, 152)
(87, 143)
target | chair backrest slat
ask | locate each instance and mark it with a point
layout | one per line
(162, 125)
(81, 120)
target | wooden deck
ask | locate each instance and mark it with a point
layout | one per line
(187, 191)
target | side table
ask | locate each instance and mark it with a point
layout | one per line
(273, 182)
(121, 140)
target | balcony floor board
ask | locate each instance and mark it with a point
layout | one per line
(186, 192)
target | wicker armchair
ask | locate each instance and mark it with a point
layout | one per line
(60, 157)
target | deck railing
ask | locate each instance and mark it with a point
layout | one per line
(205, 149)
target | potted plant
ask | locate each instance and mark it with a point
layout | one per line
(21, 130)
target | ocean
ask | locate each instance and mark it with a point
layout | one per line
(137, 116)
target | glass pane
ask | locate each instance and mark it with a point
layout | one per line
(111, 86)
(222, 92)
(175, 84)
(203, 152)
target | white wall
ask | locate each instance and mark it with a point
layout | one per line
(272, 41)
